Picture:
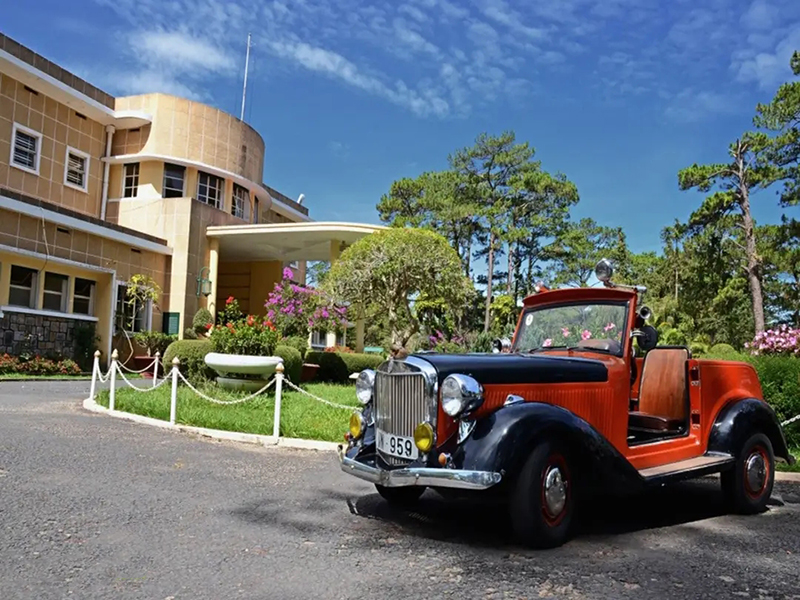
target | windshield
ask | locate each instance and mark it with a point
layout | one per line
(590, 326)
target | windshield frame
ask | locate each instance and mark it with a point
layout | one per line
(626, 304)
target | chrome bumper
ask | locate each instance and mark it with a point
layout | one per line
(448, 478)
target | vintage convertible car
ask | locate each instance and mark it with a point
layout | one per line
(569, 407)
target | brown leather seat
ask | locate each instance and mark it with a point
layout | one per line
(662, 392)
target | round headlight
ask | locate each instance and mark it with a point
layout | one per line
(460, 394)
(364, 385)
(356, 425)
(604, 270)
(423, 437)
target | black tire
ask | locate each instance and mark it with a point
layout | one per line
(401, 497)
(741, 493)
(535, 522)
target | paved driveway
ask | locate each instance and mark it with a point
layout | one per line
(94, 507)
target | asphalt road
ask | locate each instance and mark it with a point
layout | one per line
(95, 507)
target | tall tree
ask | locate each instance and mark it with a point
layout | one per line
(575, 252)
(734, 183)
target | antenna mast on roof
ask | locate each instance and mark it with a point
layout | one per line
(246, 64)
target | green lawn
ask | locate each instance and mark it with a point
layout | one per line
(301, 417)
(795, 468)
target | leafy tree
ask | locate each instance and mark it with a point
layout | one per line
(576, 251)
(395, 266)
(780, 247)
(782, 115)
(734, 183)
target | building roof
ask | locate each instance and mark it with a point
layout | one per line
(287, 241)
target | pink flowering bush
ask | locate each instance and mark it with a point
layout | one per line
(295, 310)
(781, 340)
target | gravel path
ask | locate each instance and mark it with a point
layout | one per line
(94, 507)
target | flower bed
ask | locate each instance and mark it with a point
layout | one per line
(37, 366)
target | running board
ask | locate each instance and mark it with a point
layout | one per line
(689, 468)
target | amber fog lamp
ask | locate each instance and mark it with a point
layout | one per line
(356, 425)
(423, 437)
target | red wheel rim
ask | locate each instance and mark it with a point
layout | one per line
(555, 492)
(756, 472)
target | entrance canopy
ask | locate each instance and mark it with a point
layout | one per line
(308, 241)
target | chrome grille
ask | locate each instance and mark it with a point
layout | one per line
(400, 405)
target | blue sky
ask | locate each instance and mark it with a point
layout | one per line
(350, 95)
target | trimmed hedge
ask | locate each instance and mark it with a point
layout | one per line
(292, 362)
(722, 350)
(780, 382)
(298, 342)
(336, 367)
(191, 354)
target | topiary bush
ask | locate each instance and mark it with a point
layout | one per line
(722, 350)
(336, 367)
(202, 321)
(292, 362)
(191, 353)
(298, 342)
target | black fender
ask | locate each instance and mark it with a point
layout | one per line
(503, 440)
(740, 419)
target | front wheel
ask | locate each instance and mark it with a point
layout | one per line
(403, 497)
(748, 486)
(543, 500)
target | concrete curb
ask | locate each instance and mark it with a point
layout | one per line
(230, 436)
(781, 476)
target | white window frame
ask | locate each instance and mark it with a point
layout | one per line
(35, 134)
(147, 325)
(220, 202)
(33, 298)
(90, 297)
(86, 163)
(64, 293)
(125, 179)
(243, 212)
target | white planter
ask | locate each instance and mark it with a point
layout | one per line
(242, 372)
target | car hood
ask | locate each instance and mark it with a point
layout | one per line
(518, 368)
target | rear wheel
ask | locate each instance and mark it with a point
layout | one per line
(748, 486)
(402, 497)
(543, 499)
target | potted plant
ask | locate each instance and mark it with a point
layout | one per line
(140, 290)
(242, 348)
(153, 342)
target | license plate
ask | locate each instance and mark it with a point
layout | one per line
(396, 445)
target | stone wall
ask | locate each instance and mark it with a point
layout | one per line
(37, 335)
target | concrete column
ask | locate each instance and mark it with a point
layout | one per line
(213, 274)
(330, 337)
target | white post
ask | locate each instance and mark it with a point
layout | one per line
(95, 373)
(112, 392)
(276, 423)
(173, 401)
(155, 368)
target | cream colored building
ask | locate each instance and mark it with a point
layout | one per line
(96, 189)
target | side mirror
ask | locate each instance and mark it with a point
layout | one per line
(646, 337)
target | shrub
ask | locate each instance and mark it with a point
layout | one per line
(86, 340)
(698, 348)
(190, 334)
(202, 321)
(722, 350)
(297, 309)
(154, 341)
(337, 367)
(292, 362)
(482, 343)
(298, 342)
(243, 335)
(38, 366)
(191, 353)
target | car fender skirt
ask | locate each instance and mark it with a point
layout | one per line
(503, 440)
(740, 419)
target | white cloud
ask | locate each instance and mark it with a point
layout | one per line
(761, 15)
(767, 69)
(691, 106)
(182, 51)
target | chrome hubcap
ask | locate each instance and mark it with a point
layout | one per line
(555, 491)
(756, 472)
